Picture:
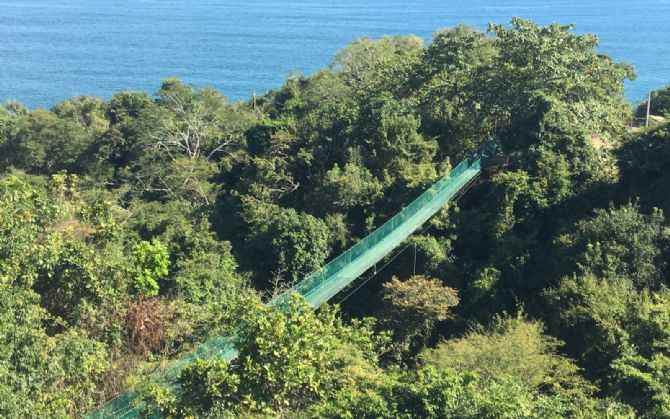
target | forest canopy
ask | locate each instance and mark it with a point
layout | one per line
(133, 229)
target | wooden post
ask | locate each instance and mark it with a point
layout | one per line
(414, 270)
(646, 121)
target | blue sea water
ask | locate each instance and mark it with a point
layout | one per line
(54, 49)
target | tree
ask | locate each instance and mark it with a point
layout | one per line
(589, 315)
(10, 113)
(288, 243)
(191, 132)
(199, 124)
(107, 275)
(621, 243)
(413, 307)
(398, 153)
(209, 275)
(121, 144)
(620, 335)
(511, 347)
(449, 92)
(85, 111)
(27, 371)
(639, 376)
(41, 142)
(43, 370)
(536, 65)
(642, 160)
(660, 104)
(287, 360)
(447, 393)
(644, 383)
(346, 188)
(372, 66)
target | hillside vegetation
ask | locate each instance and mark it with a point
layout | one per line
(132, 229)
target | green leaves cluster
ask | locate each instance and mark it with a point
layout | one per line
(413, 307)
(288, 359)
(299, 364)
(151, 263)
(70, 278)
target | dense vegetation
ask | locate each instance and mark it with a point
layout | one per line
(132, 229)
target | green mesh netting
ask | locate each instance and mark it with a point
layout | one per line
(331, 278)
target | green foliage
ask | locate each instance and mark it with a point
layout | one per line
(286, 360)
(300, 364)
(22, 206)
(41, 374)
(515, 200)
(485, 281)
(121, 144)
(413, 307)
(67, 277)
(27, 371)
(641, 375)
(644, 383)
(289, 244)
(208, 276)
(622, 243)
(44, 143)
(207, 387)
(594, 310)
(185, 140)
(451, 102)
(151, 265)
(397, 149)
(510, 347)
(447, 393)
(643, 159)
(343, 189)
(433, 254)
(289, 359)
(539, 65)
(84, 363)
(87, 112)
(371, 66)
(110, 273)
(620, 334)
(660, 104)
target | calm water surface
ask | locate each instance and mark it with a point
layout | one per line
(51, 50)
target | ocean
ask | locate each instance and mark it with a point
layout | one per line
(52, 50)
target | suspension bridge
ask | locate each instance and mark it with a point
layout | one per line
(336, 275)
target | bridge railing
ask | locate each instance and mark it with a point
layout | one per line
(326, 280)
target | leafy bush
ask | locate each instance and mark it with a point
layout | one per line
(151, 264)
